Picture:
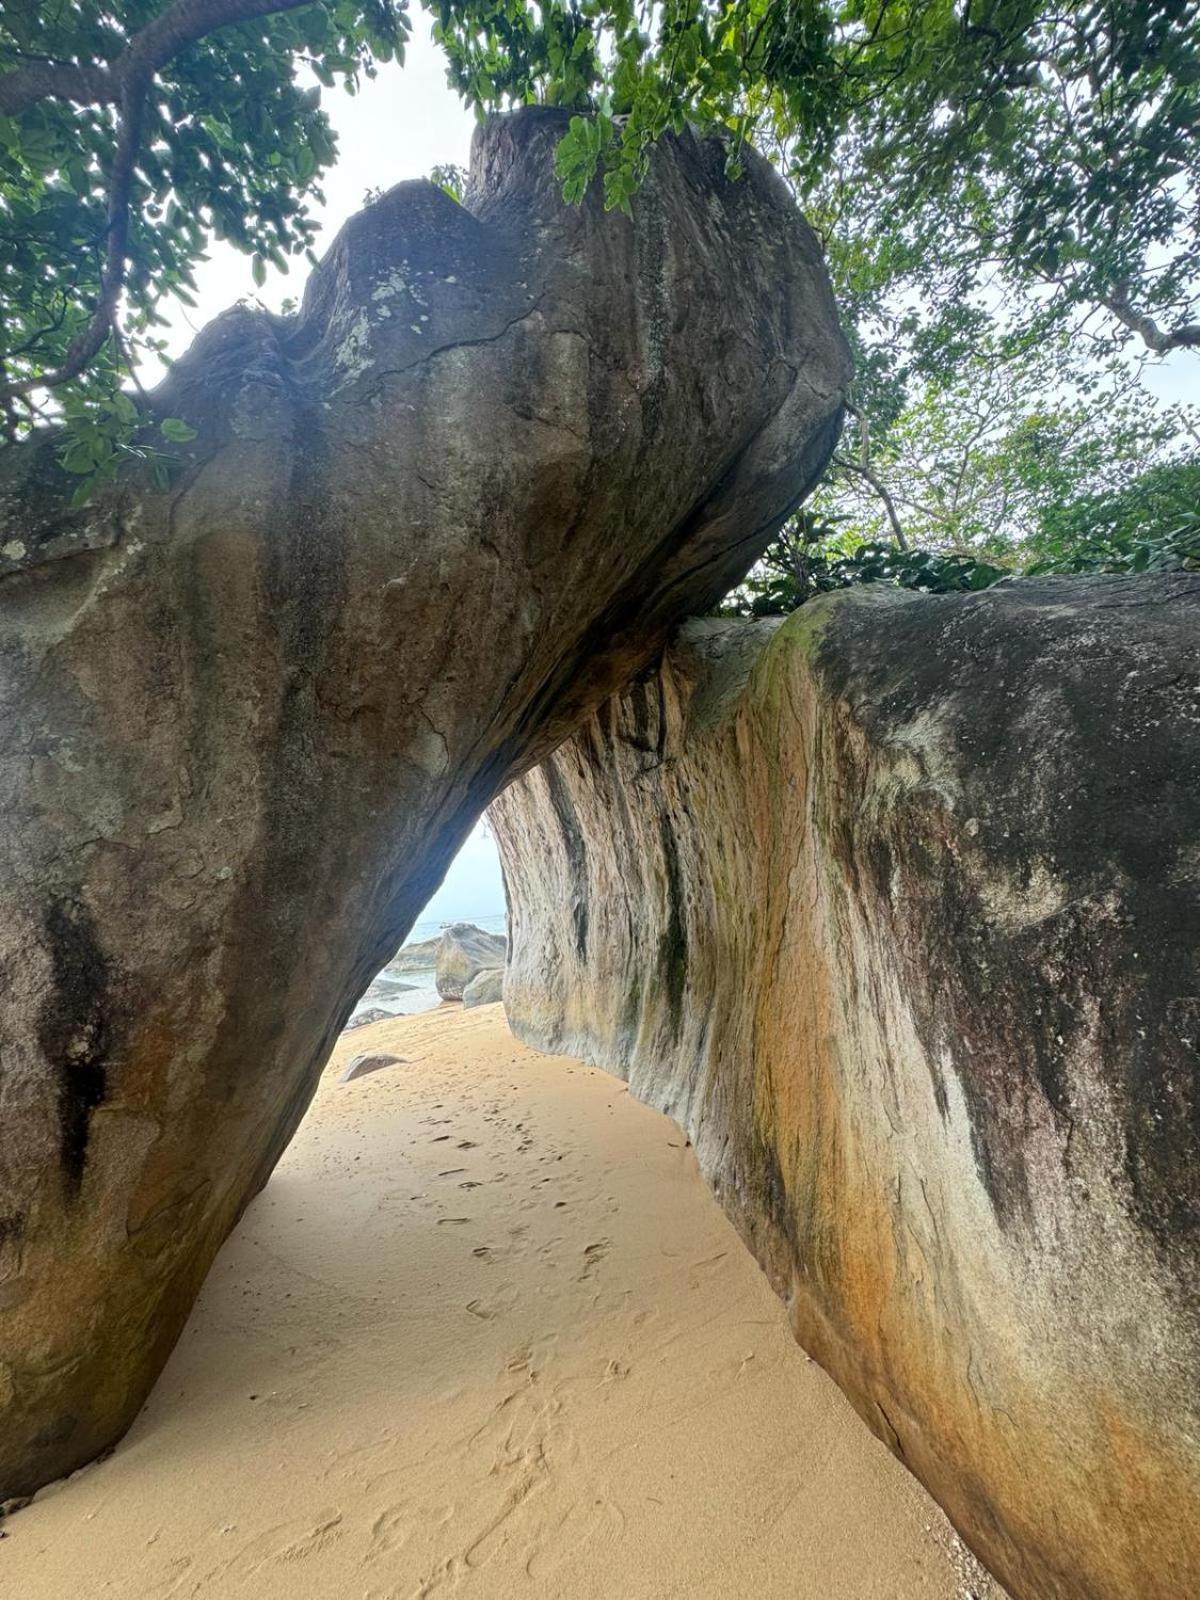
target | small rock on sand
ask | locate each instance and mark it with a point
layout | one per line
(485, 988)
(368, 1061)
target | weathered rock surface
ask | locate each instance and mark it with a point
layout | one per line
(464, 951)
(485, 988)
(420, 957)
(245, 722)
(368, 1061)
(365, 1018)
(385, 987)
(896, 908)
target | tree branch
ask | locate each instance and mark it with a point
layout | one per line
(1186, 336)
(126, 83)
(182, 23)
(880, 489)
(86, 344)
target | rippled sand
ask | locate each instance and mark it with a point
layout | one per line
(485, 1333)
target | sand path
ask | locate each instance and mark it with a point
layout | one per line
(486, 1334)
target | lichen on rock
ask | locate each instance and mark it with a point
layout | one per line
(896, 908)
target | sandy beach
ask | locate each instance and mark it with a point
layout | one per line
(486, 1333)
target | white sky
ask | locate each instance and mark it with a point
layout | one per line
(401, 124)
(472, 888)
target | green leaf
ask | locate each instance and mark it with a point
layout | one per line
(175, 429)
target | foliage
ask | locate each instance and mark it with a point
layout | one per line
(1044, 153)
(956, 158)
(451, 179)
(1174, 548)
(810, 557)
(1162, 498)
(117, 167)
(991, 454)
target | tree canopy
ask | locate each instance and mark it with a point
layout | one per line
(986, 175)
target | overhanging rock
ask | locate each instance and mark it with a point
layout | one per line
(896, 908)
(245, 722)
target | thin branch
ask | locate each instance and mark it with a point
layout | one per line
(182, 23)
(880, 489)
(1186, 336)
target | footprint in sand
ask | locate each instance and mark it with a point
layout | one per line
(535, 1473)
(284, 1544)
(487, 1310)
(593, 1255)
(521, 1360)
(389, 1531)
(587, 1525)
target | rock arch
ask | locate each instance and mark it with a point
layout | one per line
(245, 721)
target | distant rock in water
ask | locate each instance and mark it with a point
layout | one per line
(420, 530)
(385, 987)
(364, 1018)
(895, 907)
(485, 988)
(463, 952)
(420, 957)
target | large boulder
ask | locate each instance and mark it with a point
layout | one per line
(896, 908)
(463, 951)
(421, 957)
(486, 988)
(246, 719)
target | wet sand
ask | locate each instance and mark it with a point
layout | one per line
(486, 1334)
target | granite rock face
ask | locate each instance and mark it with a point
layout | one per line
(896, 908)
(246, 721)
(463, 952)
(486, 988)
(420, 957)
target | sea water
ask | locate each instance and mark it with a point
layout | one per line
(420, 993)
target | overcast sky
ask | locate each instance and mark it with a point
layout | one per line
(401, 124)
